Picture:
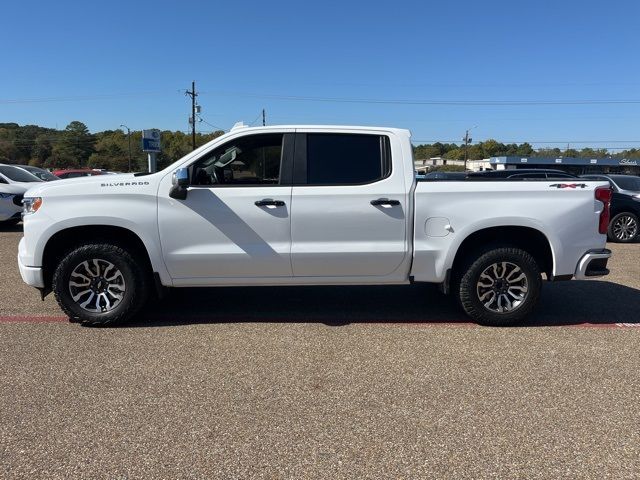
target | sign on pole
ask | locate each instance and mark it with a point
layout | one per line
(151, 140)
(151, 145)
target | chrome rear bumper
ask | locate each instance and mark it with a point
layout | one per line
(593, 264)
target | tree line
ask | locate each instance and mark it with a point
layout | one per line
(493, 148)
(76, 147)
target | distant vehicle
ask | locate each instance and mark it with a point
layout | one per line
(444, 176)
(625, 206)
(14, 175)
(41, 173)
(522, 173)
(75, 173)
(11, 203)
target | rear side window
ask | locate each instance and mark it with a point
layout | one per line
(346, 159)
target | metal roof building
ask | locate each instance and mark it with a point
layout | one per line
(573, 165)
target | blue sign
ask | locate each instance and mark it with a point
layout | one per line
(151, 140)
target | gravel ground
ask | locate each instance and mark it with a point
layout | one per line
(355, 382)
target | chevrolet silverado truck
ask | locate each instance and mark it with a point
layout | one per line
(308, 205)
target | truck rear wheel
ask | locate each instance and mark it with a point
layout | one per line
(100, 284)
(501, 287)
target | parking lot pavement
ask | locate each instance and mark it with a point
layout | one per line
(354, 382)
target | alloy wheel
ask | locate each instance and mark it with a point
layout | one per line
(502, 287)
(97, 285)
(625, 228)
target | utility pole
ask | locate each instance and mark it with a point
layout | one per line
(192, 120)
(264, 118)
(129, 138)
(466, 140)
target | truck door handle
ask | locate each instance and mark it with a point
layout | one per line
(269, 202)
(384, 201)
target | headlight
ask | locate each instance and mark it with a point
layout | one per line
(636, 197)
(31, 205)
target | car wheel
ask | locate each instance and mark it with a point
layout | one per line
(100, 284)
(623, 228)
(500, 287)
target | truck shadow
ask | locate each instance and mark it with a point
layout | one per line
(10, 227)
(563, 303)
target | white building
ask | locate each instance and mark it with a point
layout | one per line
(425, 165)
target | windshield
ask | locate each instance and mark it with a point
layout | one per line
(40, 173)
(627, 182)
(17, 175)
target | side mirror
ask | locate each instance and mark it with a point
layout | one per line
(180, 182)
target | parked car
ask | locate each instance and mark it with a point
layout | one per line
(11, 203)
(10, 174)
(625, 206)
(78, 172)
(307, 205)
(41, 173)
(443, 176)
(522, 174)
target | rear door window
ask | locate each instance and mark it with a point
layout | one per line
(347, 159)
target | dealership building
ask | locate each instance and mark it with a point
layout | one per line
(577, 166)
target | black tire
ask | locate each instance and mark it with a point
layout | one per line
(619, 226)
(133, 275)
(469, 285)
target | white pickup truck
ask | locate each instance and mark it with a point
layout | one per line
(308, 205)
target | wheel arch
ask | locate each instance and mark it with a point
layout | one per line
(65, 240)
(528, 239)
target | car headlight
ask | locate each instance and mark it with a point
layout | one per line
(636, 197)
(31, 205)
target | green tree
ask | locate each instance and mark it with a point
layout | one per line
(74, 147)
(492, 148)
(525, 150)
(41, 150)
(571, 153)
(455, 154)
(422, 152)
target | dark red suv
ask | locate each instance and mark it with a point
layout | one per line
(76, 173)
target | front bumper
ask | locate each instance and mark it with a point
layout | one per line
(593, 264)
(30, 275)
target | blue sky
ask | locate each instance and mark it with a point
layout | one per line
(129, 62)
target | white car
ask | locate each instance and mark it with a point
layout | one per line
(10, 174)
(10, 203)
(308, 205)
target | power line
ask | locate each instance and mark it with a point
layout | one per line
(446, 102)
(211, 125)
(255, 120)
(432, 102)
(75, 98)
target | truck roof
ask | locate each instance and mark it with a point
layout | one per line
(241, 127)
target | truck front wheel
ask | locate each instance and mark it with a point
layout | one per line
(100, 284)
(501, 287)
